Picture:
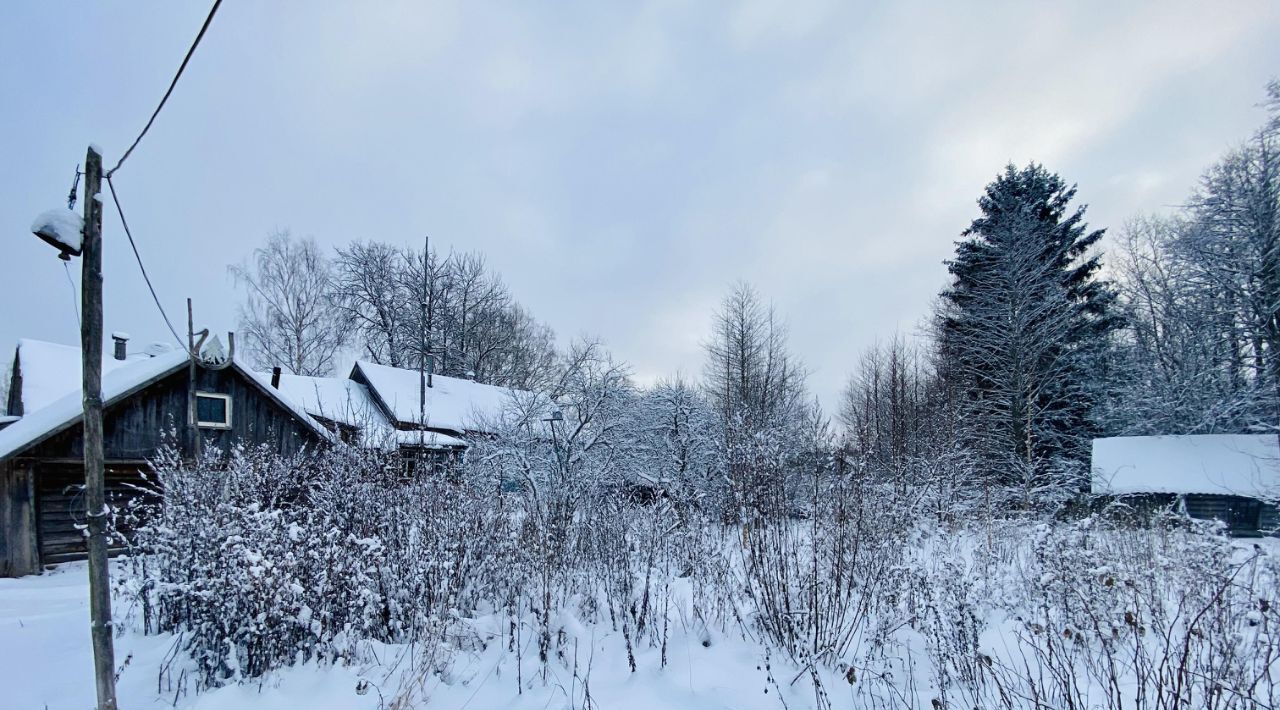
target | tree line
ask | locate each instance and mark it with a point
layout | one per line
(1036, 346)
(304, 309)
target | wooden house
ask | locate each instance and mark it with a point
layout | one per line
(423, 416)
(1231, 478)
(145, 407)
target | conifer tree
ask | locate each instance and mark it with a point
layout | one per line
(1024, 329)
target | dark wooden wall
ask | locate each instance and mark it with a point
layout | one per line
(1242, 515)
(19, 553)
(1270, 519)
(60, 510)
(1245, 517)
(255, 416)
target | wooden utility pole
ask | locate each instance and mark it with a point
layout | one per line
(193, 432)
(104, 664)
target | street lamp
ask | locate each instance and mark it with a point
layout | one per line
(62, 229)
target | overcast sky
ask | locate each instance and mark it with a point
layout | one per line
(621, 165)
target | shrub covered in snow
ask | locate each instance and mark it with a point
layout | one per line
(256, 563)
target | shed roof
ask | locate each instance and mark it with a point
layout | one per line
(452, 404)
(349, 402)
(1223, 464)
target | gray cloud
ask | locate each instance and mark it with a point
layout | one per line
(620, 166)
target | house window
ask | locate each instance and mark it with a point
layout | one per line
(1243, 514)
(213, 411)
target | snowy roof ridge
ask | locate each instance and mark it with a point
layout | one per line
(1215, 464)
(334, 398)
(351, 403)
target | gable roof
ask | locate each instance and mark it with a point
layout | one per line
(1220, 464)
(118, 382)
(52, 370)
(333, 398)
(452, 404)
(65, 411)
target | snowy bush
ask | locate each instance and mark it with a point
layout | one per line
(255, 563)
(259, 562)
(1162, 617)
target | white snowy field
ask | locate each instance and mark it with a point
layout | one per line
(44, 641)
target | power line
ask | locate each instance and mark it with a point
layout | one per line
(136, 255)
(75, 295)
(213, 11)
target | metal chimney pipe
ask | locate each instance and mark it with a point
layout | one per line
(275, 377)
(122, 347)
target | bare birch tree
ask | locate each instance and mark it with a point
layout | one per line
(288, 319)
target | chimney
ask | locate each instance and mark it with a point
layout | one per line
(275, 377)
(122, 348)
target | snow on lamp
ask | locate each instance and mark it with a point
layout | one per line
(63, 229)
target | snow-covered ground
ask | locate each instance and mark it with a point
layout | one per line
(44, 641)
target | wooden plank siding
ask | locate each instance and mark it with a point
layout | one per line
(60, 508)
(137, 427)
(255, 417)
(1270, 519)
(1243, 516)
(19, 553)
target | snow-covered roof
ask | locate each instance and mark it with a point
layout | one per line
(51, 389)
(428, 440)
(452, 404)
(264, 383)
(50, 371)
(332, 398)
(344, 401)
(40, 423)
(349, 402)
(1223, 464)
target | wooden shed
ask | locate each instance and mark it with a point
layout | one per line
(1231, 478)
(145, 408)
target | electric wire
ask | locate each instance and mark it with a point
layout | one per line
(75, 295)
(145, 277)
(213, 11)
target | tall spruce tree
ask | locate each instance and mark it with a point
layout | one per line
(1024, 330)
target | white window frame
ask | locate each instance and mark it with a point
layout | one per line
(226, 398)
